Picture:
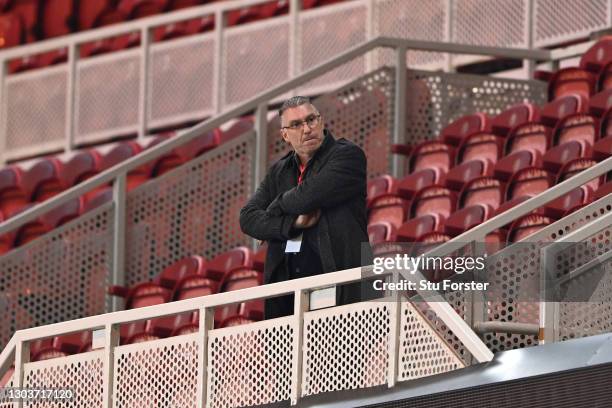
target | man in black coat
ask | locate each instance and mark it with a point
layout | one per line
(315, 194)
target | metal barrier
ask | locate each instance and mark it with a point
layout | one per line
(168, 83)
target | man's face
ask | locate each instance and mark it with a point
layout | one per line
(304, 139)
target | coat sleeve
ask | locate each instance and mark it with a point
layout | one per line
(259, 223)
(342, 178)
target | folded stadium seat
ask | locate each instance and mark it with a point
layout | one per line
(383, 238)
(411, 184)
(482, 190)
(23, 64)
(7, 377)
(181, 4)
(53, 57)
(602, 191)
(6, 240)
(183, 154)
(571, 80)
(461, 174)
(43, 179)
(563, 205)
(45, 349)
(259, 258)
(80, 167)
(380, 186)
(530, 136)
(434, 200)
(134, 9)
(565, 105)
(598, 56)
(273, 9)
(10, 30)
(101, 197)
(604, 79)
(239, 257)
(389, 207)
(514, 116)
(600, 102)
(74, 343)
(13, 193)
(529, 182)
(467, 218)
(413, 229)
(557, 156)
(28, 12)
(58, 17)
(602, 149)
(116, 155)
(432, 155)
(581, 127)
(526, 226)
(426, 243)
(510, 164)
(47, 222)
(191, 265)
(454, 133)
(481, 145)
(184, 28)
(240, 278)
(243, 15)
(98, 13)
(575, 166)
(605, 129)
(238, 128)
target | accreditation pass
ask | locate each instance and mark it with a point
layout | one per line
(13, 394)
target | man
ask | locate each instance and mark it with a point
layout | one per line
(311, 206)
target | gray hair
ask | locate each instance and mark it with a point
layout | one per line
(293, 102)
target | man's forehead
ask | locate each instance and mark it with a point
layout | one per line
(298, 112)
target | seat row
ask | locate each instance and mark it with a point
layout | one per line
(22, 188)
(27, 21)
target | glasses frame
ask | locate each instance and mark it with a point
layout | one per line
(300, 124)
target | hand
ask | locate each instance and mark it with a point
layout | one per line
(307, 220)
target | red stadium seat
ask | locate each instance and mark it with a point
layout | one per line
(74, 343)
(6, 240)
(581, 127)
(80, 167)
(558, 155)
(529, 182)
(389, 208)
(380, 232)
(44, 179)
(28, 12)
(47, 222)
(195, 286)
(58, 18)
(380, 186)
(434, 200)
(600, 102)
(529, 136)
(413, 229)
(605, 129)
(466, 218)
(575, 166)
(575, 198)
(603, 191)
(456, 131)
(561, 107)
(513, 117)
(13, 193)
(98, 13)
(602, 149)
(190, 266)
(411, 184)
(259, 258)
(604, 80)
(463, 173)
(101, 197)
(572, 80)
(4, 380)
(239, 128)
(240, 278)
(243, 15)
(45, 349)
(482, 145)
(507, 166)
(229, 260)
(599, 55)
(483, 190)
(10, 30)
(432, 155)
(141, 8)
(116, 155)
(526, 226)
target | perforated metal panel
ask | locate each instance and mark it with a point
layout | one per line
(413, 20)
(346, 347)
(159, 373)
(489, 22)
(326, 32)
(181, 75)
(250, 68)
(514, 273)
(107, 91)
(574, 255)
(60, 276)
(436, 99)
(362, 112)
(35, 116)
(422, 351)
(4, 402)
(193, 209)
(250, 364)
(558, 21)
(82, 373)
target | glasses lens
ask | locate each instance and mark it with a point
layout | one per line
(312, 121)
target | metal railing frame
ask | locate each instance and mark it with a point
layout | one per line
(144, 26)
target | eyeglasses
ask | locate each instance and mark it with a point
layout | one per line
(311, 120)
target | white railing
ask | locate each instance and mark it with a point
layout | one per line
(161, 84)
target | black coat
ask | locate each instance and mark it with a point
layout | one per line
(335, 182)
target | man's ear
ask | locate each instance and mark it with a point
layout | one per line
(283, 133)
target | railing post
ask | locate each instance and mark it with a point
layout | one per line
(548, 309)
(529, 65)
(370, 57)
(22, 356)
(111, 340)
(300, 306)
(399, 119)
(3, 110)
(119, 221)
(206, 323)
(143, 101)
(71, 96)
(394, 340)
(295, 50)
(261, 143)
(476, 306)
(448, 34)
(218, 73)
